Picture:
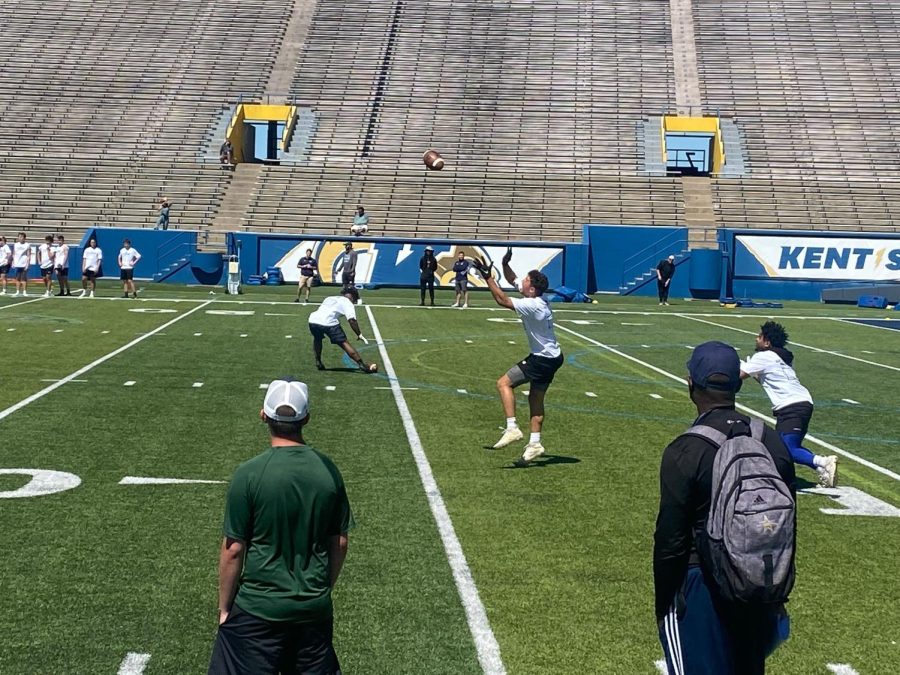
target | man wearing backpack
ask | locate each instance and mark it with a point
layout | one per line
(723, 555)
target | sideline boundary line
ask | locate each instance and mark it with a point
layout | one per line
(476, 616)
(739, 406)
(798, 344)
(81, 371)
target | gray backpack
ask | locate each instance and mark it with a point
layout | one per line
(747, 546)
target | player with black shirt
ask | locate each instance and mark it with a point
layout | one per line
(665, 270)
(427, 268)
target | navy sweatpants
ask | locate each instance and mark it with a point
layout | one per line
(700, 637)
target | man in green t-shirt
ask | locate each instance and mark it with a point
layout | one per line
(286, 523)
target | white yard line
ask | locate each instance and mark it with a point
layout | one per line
(682, 379)
(485, 642)
(796, 344)
(133, 663)
(19, 304)
(103, 359)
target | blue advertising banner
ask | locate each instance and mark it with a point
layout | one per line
(396, 262)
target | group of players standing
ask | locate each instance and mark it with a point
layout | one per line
(53, 259)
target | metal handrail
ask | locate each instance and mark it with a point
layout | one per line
(650, 252)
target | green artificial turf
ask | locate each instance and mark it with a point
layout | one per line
(560, 552)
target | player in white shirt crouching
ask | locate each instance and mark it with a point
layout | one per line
(326, 322)
(539, 367)
(128, 258)
(90, 267)
(792, 405)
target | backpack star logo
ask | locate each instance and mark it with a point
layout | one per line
(768, 525)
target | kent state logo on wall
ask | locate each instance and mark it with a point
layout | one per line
(817, 258)
(397, 263)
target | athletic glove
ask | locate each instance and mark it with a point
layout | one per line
(507, 256)
(481, 267)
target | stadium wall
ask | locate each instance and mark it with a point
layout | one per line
(800, 264)
(395, 261)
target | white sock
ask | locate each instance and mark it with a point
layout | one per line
(819, 461)
(511, 423)
(535, 437)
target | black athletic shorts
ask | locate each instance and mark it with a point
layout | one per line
(793, 418)
(62, 271)
(90, 275)
(334, 333)
(248, 645)
(46, 272)
(4, 269)
(126, 275)
(538, 370)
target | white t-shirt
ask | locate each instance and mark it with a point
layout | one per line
(537, 318)
(62, 257)
(20, 254)
(331, 310)
(44, 253)
(5, 254)
(91, 258)
(129, 258)
(777, 378)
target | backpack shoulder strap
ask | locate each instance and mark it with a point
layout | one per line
(710, 434)
(757, 428)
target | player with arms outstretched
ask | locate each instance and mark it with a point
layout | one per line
(773, 366)
(539, 367)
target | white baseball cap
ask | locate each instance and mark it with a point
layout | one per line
(286, 392)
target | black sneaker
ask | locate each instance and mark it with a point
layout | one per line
(297, 300)
(320, 365)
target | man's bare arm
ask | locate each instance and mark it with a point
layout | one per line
(231, 562)
(337, 553)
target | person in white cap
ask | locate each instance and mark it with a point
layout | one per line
(287, 519)
(665, 270)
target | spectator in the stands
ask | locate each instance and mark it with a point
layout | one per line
(360, 222)
(226, 153)
(162, 222)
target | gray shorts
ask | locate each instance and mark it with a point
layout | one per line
(461, 286)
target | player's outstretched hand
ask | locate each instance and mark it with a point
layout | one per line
(507, 256)
(481, 267)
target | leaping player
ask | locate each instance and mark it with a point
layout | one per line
(541, 364)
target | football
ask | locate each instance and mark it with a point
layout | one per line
(433, 160)
(373, 367)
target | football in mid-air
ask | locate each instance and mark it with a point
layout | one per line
(433, 160)
(373, 367)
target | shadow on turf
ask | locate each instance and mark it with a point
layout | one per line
(341, 370)
(545, 460)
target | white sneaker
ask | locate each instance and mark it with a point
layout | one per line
(92, 294)
(828, 473)
(532, 451)
(466, 306)
(16, 294)
(3, 292)
(24, 294)
(455, 304)
(46, 294)
(509, 436)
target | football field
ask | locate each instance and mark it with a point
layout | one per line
(459, 562)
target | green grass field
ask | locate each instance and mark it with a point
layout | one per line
(560, 552)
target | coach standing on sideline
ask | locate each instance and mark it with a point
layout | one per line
(701, 632)
(286, 521)
(427, 269)
(665, 270)
(347, 266)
